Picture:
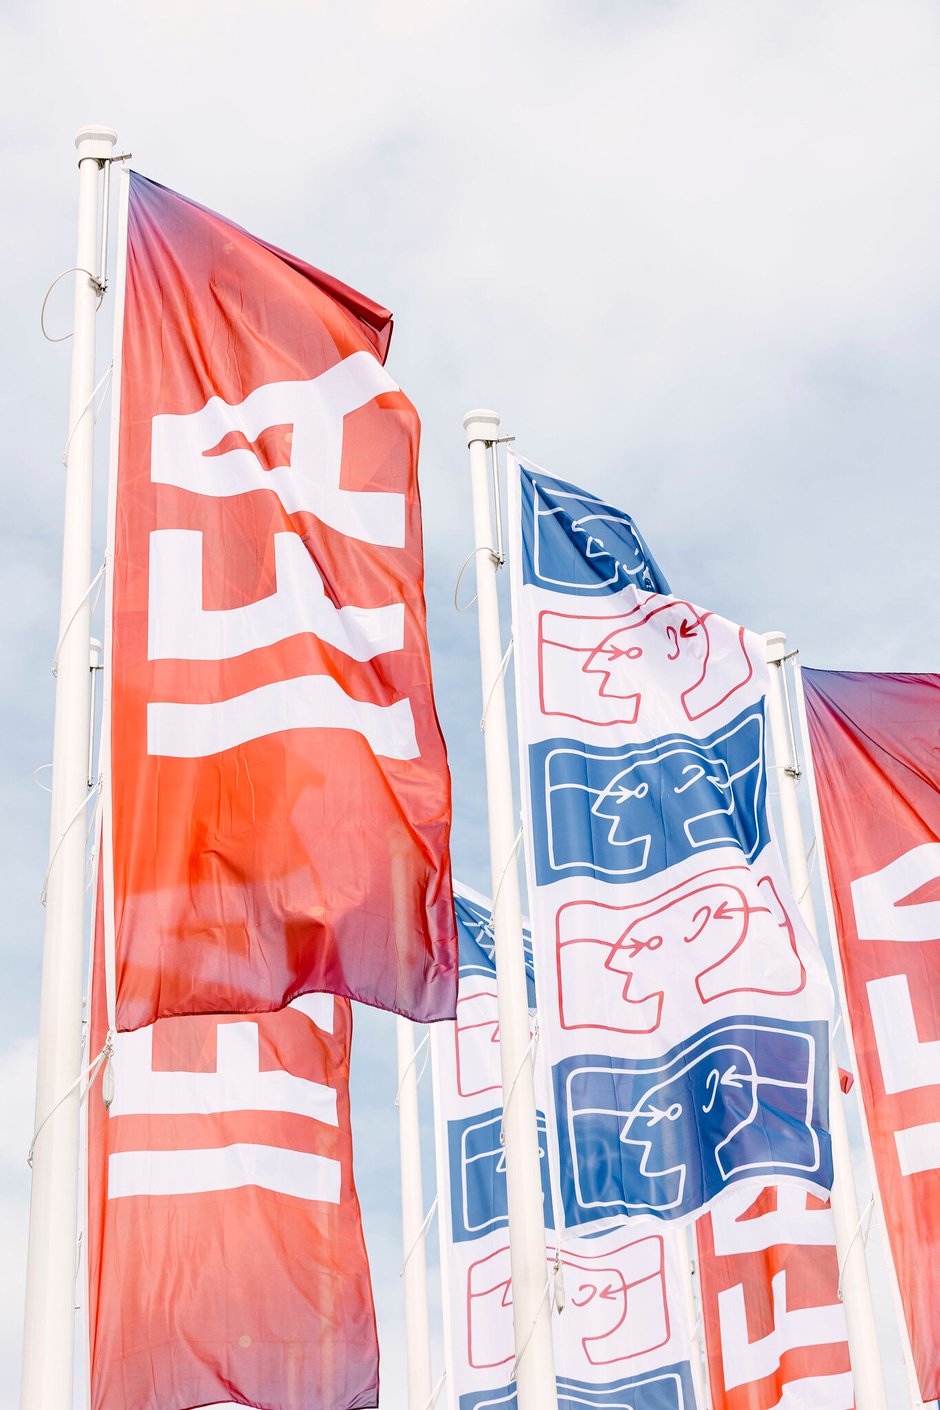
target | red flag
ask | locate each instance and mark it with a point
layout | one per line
(279, 808)
(876, 760)
(225, 1251)
(774, 1324)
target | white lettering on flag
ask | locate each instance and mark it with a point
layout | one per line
(188, 451)
(238, 1084)
(919, 1148)
(790, 1223)
(906, 1062)
(834, 1392)
(745, 1360)
(190, 1172)
(184, 731)
(881, 909)
(181, 629)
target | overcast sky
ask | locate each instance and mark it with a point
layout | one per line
(689, 249)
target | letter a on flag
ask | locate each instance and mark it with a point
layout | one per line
(277, 794)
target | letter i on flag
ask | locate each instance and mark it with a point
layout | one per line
(277, 799)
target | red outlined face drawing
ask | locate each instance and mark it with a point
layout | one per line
(476, 1039)
(627, 969)
(623, 670)
(616, 1304)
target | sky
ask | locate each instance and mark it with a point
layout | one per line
(688, 249)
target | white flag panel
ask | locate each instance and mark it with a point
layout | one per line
(685, 1010)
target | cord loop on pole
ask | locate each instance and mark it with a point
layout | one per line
(463, 568)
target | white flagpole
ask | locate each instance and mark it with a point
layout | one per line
(49, 1328)
(531, 1286)
(414, 1267)
(906, 1349)
(864, 1349)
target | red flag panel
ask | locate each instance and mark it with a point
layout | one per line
(775, 1328)
(225, 1251)
(279, 809)
(876, 760)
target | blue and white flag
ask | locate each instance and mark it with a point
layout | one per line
(623, 1337)
(685, 1009)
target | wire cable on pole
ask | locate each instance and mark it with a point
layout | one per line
(78, 607)
(418, 1237)
(492, 690)
(866, 1213)
(63, 834)
(410, 1063)
(91, 1072)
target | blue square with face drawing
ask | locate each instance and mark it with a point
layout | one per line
(745, 1098)
(627, 814)
(479, 1201)
(575, 543)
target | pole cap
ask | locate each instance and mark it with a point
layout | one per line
(775, 644)
(481, 425)
(95, 141)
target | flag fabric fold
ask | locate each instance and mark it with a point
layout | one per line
(277, 798)
(684, 1007)
(875, 764)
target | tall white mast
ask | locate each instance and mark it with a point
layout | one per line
(414, 1222)
(48, 1338)
(864, 1350)
(531, 1290)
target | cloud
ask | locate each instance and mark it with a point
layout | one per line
(689, 251)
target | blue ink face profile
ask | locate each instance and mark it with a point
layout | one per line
(479, 1201)
(627, 814)
(743, 1098)
(574, 543)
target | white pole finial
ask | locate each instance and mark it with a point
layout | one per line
(49, 1326)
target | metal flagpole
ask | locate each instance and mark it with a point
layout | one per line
(862, 1328)
(906, 1350)
(531, 1281)
(413, 1220)
(48, 1334)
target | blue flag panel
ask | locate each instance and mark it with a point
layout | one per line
(478, 1175)
(669, 1388)
(628, 814)
(743, 1098)
(575, 543)
(476, 943)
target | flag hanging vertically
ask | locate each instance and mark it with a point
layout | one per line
(875, 752)
(684, 1007)
(277, 795)
(775, 1329)
(622, 1337)
(225, 1252)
